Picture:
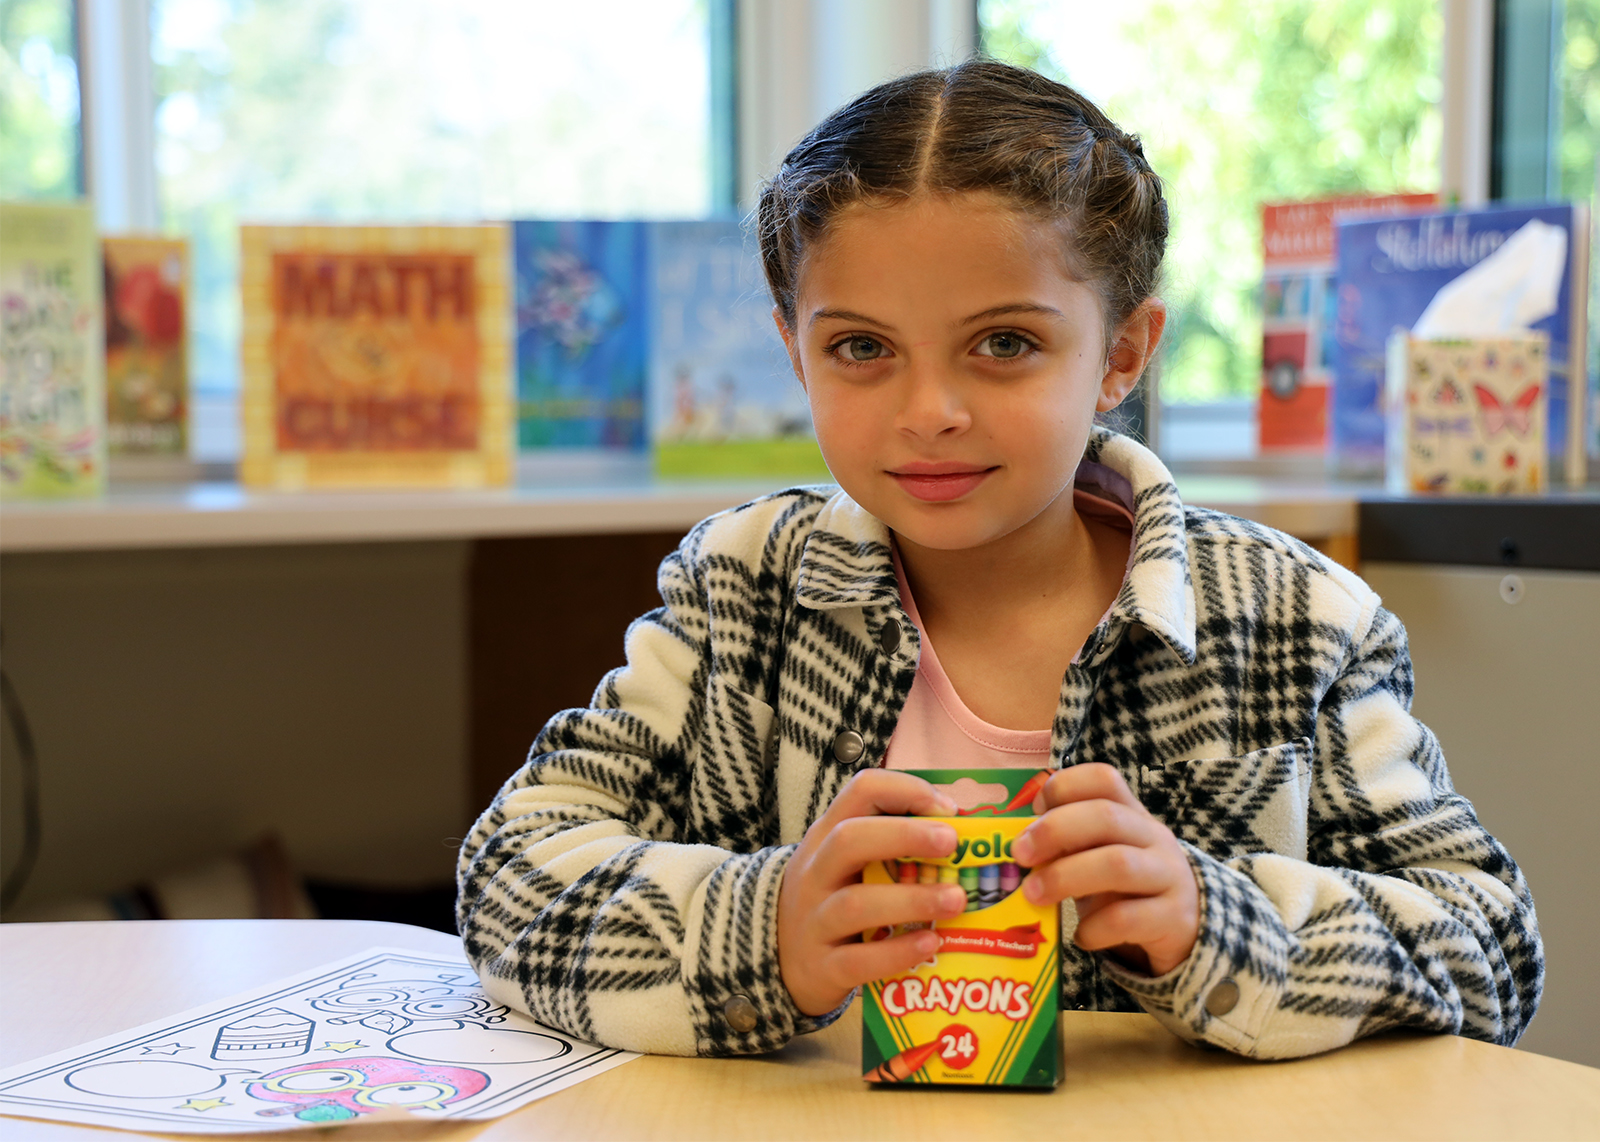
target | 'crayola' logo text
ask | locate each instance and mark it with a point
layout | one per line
(1006, 997)
(982, 848)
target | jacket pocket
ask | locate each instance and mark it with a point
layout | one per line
(733, 801)
(1229, 806)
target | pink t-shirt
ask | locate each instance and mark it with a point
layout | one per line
(936, 730)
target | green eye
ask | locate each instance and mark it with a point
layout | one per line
(1005, 345)
(861, 349)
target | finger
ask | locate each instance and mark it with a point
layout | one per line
(858, 908)
(1086, 782)
(858, 841)
(1127, 870)
(1081, 825)
(888, 792)
(852, 965)
(1142, 920)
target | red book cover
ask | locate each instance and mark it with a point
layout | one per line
(1297, 300)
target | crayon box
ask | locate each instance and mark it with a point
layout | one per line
(982, 1010)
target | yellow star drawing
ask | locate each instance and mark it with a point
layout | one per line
(203, 1104)
(351, 1046)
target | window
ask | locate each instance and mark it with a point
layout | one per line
(1241, 102)
(413, 110)
(41, 153)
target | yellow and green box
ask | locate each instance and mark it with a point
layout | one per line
(982, 1010)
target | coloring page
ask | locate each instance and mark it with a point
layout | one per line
(383, 1031)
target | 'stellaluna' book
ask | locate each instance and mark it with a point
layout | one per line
(375, 356)
(147, 375)
(1391, 269)
(52, 380)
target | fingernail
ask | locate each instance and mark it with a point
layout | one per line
(943, 837)
(928, 942)
(944, 807)
(1033, 888)
(1022, 849)
(952, 899)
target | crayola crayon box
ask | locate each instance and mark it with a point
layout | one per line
(982, 1011)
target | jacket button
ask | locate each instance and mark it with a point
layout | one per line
(740, 1014)
(1223, 998)
(889, 637)
(849, 746)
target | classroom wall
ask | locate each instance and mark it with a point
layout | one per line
(1511, 691)
(184, 701)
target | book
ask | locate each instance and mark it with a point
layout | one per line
(582, 334)
(147, 375)
(1470, 415)
(1389, 270)
(724, 397)
(1298, 259)
(375, 356)
(52, 379)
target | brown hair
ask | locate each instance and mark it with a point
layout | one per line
(979, 126)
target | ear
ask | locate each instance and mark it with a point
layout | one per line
(790, 343)
(1132, 347)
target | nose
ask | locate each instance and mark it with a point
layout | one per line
(932, 403)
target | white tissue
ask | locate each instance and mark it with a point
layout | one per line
(1507, 292)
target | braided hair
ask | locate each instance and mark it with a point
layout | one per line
(979, 126)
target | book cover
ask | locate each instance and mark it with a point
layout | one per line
(52, 380)
(375, 356)
(1471, 415)
(1389, 270)
(582, 334)
(1298, 258)
(147, 374)
(724, 398)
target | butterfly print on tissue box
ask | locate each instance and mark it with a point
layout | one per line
(1474, 414)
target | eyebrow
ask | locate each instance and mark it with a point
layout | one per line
(996, 311)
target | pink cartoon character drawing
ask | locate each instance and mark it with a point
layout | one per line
(337, 1091)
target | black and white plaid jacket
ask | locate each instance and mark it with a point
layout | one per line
(623, 885)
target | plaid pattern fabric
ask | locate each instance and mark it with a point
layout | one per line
(623, 885)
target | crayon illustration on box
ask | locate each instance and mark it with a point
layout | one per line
(1473, 413)
(982, 1010)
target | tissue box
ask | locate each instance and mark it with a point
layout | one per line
(1470, 415)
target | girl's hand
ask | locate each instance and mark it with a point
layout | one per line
(823, 907)
(1094, 842)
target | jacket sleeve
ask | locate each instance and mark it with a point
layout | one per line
(1406, 914)
(579, 900)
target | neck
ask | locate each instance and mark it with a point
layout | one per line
(1040, 561)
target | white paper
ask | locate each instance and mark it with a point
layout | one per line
(1507, 292)
(382, 1033)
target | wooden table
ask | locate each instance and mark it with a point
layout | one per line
(65, 984)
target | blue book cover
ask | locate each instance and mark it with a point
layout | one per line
(1389, 270)
(724, 398)
(582, 333)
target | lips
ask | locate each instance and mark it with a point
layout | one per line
(936, 483)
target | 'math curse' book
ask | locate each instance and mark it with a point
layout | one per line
(375, 356)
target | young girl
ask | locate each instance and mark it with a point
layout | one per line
(1249, 835)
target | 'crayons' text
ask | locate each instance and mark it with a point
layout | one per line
(996, 996)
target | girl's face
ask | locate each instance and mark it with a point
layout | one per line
(954, 366)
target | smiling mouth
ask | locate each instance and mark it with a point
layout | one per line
(937, 483)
